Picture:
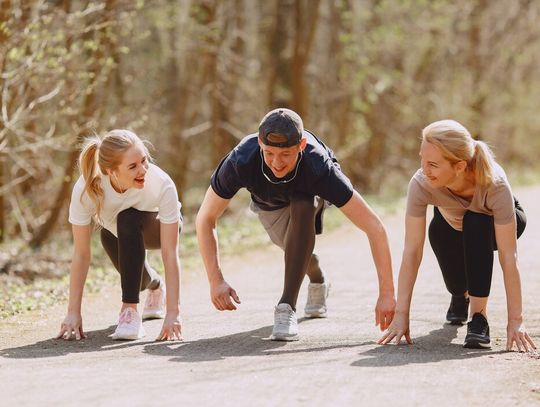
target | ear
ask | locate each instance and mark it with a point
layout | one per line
(260, 142)
(303, 143)
(460, 166)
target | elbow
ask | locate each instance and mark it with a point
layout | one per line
(508, 261)
(203, 221)
(376, 230)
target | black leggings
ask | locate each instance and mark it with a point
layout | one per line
(137, 231)
(466, 257)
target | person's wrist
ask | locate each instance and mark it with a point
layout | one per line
(402, 312)
(386, 290)
(216, 279)
(173, 313)
(516, 319)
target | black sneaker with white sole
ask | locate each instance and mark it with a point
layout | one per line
(477, 333)
(458, 311)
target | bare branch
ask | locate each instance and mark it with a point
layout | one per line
(7, 187)
(44, 98)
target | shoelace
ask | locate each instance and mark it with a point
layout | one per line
(477, 325)
(285, 317)
(126, 316)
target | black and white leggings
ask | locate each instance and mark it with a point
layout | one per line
(137, 232)
(466, 257)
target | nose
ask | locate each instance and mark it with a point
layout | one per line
(277, 162)
(425, 169)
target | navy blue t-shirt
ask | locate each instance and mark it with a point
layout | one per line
(318, 174)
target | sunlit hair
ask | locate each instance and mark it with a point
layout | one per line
(456, 144)
(100, 154)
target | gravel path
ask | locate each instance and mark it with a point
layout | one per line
(227, 360)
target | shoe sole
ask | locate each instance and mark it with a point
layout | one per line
(477, 345)
(152, 315)
(474, 343)
(283, 338)
(126, 337)
(456, 321)
(315, 314)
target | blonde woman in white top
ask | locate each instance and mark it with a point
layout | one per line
(136, 205)
(475, 214)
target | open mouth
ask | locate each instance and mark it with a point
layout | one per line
(139, 181)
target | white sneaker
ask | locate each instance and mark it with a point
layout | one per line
(154, 307)
(129, 325)
(316, 301)
(285, 324)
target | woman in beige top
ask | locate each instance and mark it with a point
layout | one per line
(474, 214)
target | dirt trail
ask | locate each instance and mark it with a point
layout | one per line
(226, 360)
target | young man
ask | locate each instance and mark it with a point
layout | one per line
(291, 176)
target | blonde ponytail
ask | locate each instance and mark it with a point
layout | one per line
(88, 165)
(482, 163)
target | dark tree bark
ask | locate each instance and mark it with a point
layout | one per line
(89, 110)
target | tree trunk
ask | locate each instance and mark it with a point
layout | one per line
(89, 111)
(476, 64)
(5, 12)
(306, 16)
(278, 89)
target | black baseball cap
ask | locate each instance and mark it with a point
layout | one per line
(281, 128)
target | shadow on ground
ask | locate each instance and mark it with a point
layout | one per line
(248, 343)
(95, 341)
(433, 347)
(436, 346)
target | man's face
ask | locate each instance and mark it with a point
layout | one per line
(281, 160)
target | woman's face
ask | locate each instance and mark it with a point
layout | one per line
(439, 171)
(131, 171)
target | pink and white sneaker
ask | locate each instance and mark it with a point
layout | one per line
(129, 326)
(154, 307)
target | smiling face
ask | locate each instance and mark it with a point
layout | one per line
(281, 160)
(439, 171)
(132, 169)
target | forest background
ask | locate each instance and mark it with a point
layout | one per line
(195, 76)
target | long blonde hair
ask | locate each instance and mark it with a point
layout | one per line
(456, 144)
(100, 154)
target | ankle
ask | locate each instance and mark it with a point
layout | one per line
(128, 305)
(318, 278)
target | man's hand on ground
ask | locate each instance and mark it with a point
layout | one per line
(221, 294)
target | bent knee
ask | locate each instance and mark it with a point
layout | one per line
(129, 217)
(476, 220)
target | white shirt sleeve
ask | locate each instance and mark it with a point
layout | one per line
(81, 209)
(169, 207)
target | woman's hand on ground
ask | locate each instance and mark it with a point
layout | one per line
(72, 327)
(397, 329)
(516, 333)
(171, 330)
(384, 310)
(221, 294)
